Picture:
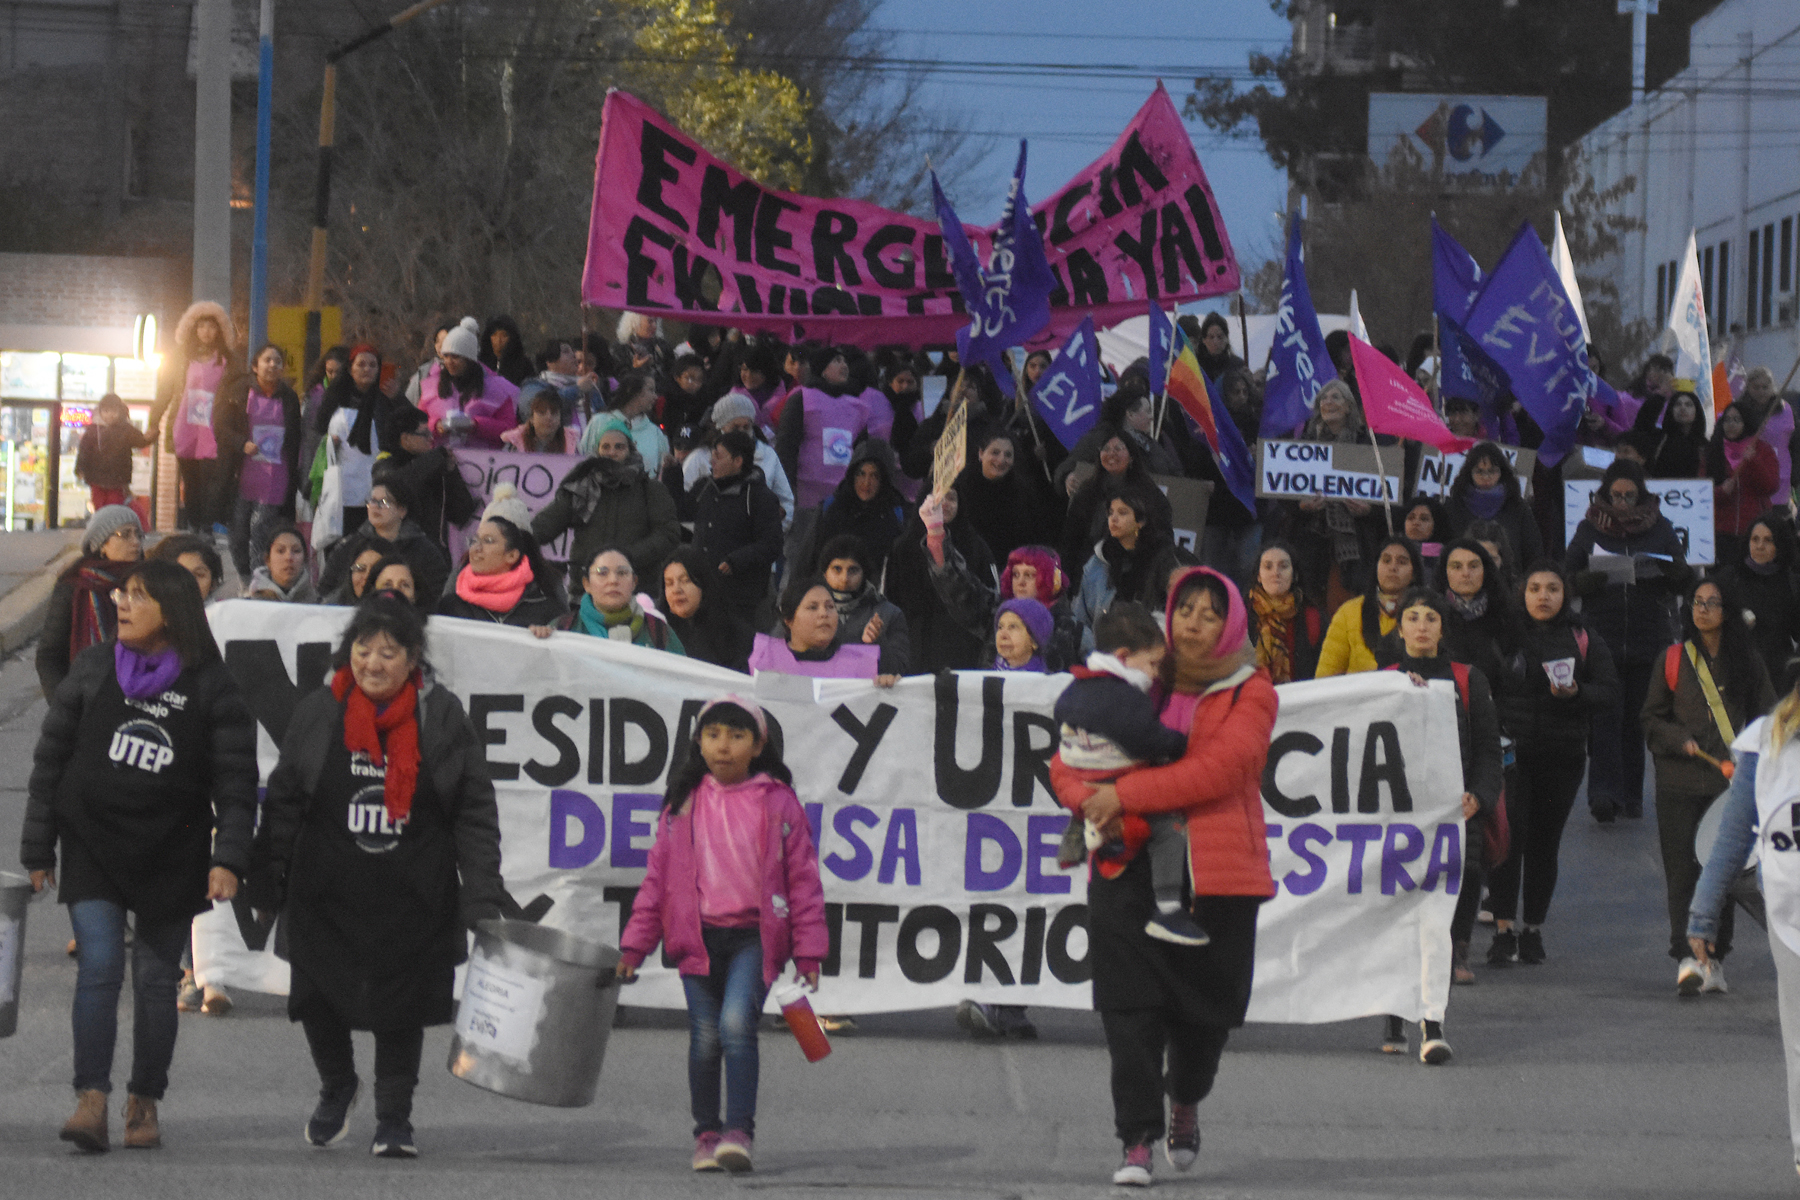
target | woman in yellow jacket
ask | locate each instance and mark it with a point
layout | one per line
(1351, 643)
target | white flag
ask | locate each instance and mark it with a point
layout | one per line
(1564, 262)
(1687, 323)
(1357, 328)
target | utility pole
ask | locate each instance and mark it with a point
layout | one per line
(259, 242)
(212, 154)
(315, 275)
(1640, 11)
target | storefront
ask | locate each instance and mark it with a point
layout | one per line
(47, 401)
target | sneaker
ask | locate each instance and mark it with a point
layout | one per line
(1182, 1146)
(1135, 1170)
(1176, 928)
(837, 1023)
(188, 998)
(1484, 917)
(393, 1139)
(1689, 978)
(733, 1152)
(706, 1152)
(330, 1121)
(1434, 1051)
(981, 1020)
(1504, 949)
(1714, 971)
(1393, 1035)
(1531, 946)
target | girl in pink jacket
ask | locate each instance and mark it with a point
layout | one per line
(732, 893)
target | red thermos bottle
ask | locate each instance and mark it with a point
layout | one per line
(798, 1011)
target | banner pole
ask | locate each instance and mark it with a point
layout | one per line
(1437, 362)
(1387, 510)
(1244, 328)
(1790, 377)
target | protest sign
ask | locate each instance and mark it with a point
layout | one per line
(952, 449)
(1688, 503)
(1188, 501)
(930, 810)
(676, 229)
(1287, 470)
(535, 477)
(1437, 470)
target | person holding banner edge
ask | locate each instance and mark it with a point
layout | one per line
(1156, 1000)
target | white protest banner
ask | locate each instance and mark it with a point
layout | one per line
(1323, 470)
(931, 810)
(1688, 503)
(535, 477)
(1437, 470)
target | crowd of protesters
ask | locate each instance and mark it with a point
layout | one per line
(770, 507)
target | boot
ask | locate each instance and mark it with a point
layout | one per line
(87, 1128)
(142, 1132)
(393, 1118)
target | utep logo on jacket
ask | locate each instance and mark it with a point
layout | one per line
(367, 816)
(143, 745)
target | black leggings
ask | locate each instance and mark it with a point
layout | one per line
(1540, 791)
(1136, 1039)
(397, 1051)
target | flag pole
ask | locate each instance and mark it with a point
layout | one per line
(1244, 328)
(1387, 510)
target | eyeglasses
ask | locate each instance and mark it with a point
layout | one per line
(1713, 605)
(1624, 497)
(384, 503)
(361, 568)
(612, 572)
(124, 599)
(130, 533)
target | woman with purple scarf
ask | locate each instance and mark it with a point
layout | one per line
(1487, 489)
(142, 801)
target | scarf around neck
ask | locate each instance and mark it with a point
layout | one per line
(622, 625)
(363, 730)
(1275, 632)
(1486, 503)
(1606, 518)
(1763, 569)
(1471, 609)
(496, 593)
(142, 676)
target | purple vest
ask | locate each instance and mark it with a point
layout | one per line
(264, 475)
(832, 424)
(852, 660)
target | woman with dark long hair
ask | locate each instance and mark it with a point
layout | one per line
(1123, 563)
(1487, 489)
(1006, 508)
(256, 423)
(503, 350)
(1120, 463)
(144, 779)
(1707, 688)
(1480, 627)
(1762, 580)
(1679, 431)
(1744, 470)
(693, 602)
(466, 402)
(380, 845)
(1289, 626)
(1357, 639)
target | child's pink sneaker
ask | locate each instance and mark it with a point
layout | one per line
(706, 1149)
(733, 1152)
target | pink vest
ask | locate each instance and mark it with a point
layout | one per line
(832, 425)
(193, 420)
(852, 660)
(881, 413)
(1778, 430)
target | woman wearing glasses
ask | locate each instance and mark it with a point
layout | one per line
(389, 530)
(610, 608)
(1705, 689)
(144, 784)
(1627, 563)
(81, 610)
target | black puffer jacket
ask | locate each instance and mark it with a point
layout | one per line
(448, 748)
(1637, 619)
(1529, 712)
(59, 782)
(737, 522)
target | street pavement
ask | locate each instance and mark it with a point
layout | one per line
(1585, 1077)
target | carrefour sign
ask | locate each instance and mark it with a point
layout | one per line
(1462, 135)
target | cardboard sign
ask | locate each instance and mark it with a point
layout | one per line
(1437, 471)
(951, 451)
(1288, 470)
(1188, 502)
(1688, 503)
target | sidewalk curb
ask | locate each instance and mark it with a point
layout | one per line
(22, 610)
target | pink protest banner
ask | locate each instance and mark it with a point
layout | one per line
(676, 230)
(1393, 404)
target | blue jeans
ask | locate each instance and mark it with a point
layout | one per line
(100, 972)
(723, 1008)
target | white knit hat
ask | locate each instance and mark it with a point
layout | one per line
(508, 507)
(464, 340)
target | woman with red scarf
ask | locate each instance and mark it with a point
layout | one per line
(380, 804)
(81, 612)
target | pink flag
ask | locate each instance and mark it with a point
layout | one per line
(1393, 404)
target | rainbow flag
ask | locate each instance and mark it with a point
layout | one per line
(1190, 388)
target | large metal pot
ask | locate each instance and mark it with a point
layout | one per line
(536, 1010)
(15, 898)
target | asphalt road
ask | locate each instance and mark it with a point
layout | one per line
(1585, 1077)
